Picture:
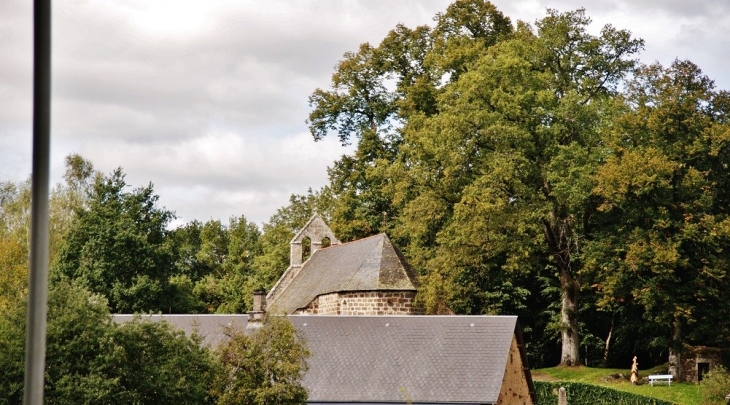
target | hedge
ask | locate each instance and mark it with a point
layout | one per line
(581, 393)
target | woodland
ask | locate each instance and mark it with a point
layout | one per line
(534, 169)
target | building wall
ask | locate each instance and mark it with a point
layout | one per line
(316, 230)
(693, 356)
(515, 390)
(363, 303)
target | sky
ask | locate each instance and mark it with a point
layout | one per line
(208, 99)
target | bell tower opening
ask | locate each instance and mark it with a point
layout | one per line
(306, 248)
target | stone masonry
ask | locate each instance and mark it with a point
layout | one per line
(698, 360)
(363, 277)
(363, 303)
(316, 230)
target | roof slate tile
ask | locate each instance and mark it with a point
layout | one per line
(394, 358)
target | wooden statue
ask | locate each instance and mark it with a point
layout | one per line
(635, 372)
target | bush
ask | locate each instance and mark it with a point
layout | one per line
(581, 393)
(715, 386)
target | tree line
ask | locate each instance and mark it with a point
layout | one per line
(115, 240)
(112, 252)
(529, 169)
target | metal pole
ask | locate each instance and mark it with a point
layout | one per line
(35, 343)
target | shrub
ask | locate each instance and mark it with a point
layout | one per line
(715, 385)
(581, 393)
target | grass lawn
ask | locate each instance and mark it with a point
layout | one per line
(679, 393)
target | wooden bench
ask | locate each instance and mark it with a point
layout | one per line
(660, 378)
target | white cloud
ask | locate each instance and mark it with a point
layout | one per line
(207, 99)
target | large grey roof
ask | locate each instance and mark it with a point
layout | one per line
(364, 265)
(424, 359)
(211, 327)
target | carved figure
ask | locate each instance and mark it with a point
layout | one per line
(635, 372)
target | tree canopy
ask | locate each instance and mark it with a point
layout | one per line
(116, 247)
(530, 169)
(511, 138)
(537, 166)
(89, 359)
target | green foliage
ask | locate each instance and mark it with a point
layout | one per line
(13, 273)
(183, 295)
(115, 247)
(15, 211)
(90, 360)
(581, 393)
(14, 236)
(67, 198)
(160, 365)
(491, 181)
(15, 224)
(229, 252)
(663, 218)
(80, 350)
(263, 367)
(185, 243)
(497, 155)
(715, 385)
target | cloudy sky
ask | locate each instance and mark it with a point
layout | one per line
(207, 99)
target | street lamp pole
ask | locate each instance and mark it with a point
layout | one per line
(35, 343)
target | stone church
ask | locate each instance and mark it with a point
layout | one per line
(364, 277)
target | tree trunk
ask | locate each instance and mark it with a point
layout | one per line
(608, 339)
(675, 351)
(569, 292)
(570, 354)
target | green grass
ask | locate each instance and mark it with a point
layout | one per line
(679, 393)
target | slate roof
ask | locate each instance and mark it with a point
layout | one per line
(424, 359)
(367, 264)
(211, 327)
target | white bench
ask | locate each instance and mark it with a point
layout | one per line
(660, 378)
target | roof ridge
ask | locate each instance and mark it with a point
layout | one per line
(354, 241)
(412, 277)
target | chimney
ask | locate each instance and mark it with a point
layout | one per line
(256, 315)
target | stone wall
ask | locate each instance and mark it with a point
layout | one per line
(363, 303)
(515, 390)
(316, 230)
(696, 357)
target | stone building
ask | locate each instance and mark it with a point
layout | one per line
(696, 361)
(364, 277)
